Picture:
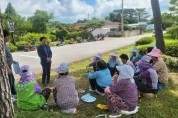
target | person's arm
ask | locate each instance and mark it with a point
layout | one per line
(37, 88)
(118, 86)
(50, 53)
(92, 75)
(145, 74)
(158, 66)
(40, 54)
(91, 64)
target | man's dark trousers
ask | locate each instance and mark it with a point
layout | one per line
(46, 72)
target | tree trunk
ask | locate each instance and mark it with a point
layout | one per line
(6, 105)
(158, 25)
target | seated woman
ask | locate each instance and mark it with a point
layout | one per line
(160, 67)
(29, 93)
(100, 79)
(135, 56)
(65, 93)
(122, 96)
(125, 60)
(113, 62)
(148, 79)
(96, 58)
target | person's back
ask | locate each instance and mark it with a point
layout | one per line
(103, 77)
(162, 71)
(127, 91)
(150, 78)
(66, 91)
(27, 99)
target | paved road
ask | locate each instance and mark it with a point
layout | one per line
(71, 53)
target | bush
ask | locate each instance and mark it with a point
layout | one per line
(36, 36)
(170, 61)
(20, 45)
(145, 40)
(173, 31)
(142, 49)
(12, 47)
(171, 48)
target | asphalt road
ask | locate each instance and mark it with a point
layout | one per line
(71, 53)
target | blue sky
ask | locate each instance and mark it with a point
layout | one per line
(69, 11)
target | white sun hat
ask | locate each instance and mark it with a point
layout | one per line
(99, 55)
(115, 54)
(63, 68)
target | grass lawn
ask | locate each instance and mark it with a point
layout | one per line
(164, 106)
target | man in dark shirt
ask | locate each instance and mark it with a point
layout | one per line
(45, 54)
(10, 61)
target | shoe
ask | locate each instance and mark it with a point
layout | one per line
(70, 111)
(13, 99)
(45, 106)
(115, 115)
(102, 94)
(129, 112)
(92, 90)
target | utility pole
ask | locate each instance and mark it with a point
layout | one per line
(122, 19)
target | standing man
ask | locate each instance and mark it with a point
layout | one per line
(45, 54)
(10, 61)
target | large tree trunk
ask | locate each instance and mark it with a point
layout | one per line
(6, 105)
(158, 25)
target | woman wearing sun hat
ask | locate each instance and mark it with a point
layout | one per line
(65, 93)
(122, 96)
(147, 80)
(113, 62)
(134, 55)
(29, 93)
(159, 65)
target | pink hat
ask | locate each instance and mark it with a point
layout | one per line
(155, 53)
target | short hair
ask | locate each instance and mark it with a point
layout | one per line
(124, 56)
(6, 33)
(149, 49)
(42, 38)
(101, 65)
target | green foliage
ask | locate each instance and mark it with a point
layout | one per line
(171, 62)
(73, 35)
(36, 36)
(174, 32)
(130, 15)
(20, 45)
(21, 25)
(171, 48)
(39, 21)
(12, 47)
(92, 25)
(142, 49)
(145, 40)
(10, 11)
(168, 20)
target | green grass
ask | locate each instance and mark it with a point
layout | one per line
(164, 106)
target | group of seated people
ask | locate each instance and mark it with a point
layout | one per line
(120, 83)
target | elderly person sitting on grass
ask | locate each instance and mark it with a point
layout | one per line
(65, 93)
(160, 67)
(29, 93)
(122, 95)
(147, 80)
(113, 62)
(100, 79)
